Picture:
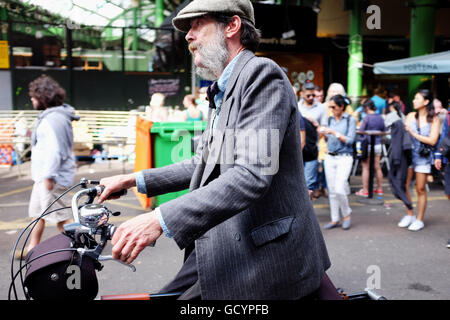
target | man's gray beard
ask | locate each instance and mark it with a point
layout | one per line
(214, 58)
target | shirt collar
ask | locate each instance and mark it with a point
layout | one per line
(223, 80)
(344, 115)
(315, 104)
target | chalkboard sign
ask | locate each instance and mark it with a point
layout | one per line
(169, 87)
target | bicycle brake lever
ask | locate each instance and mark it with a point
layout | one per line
(107, 258)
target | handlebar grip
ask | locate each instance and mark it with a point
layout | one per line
(114, 194)
(118, 193)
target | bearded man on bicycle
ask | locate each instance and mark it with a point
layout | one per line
(247, 225)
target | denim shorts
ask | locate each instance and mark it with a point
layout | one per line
(422, 168)
(378, 149)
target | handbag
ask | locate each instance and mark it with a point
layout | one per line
(425, 150)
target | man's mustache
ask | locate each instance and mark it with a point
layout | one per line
(193, 47)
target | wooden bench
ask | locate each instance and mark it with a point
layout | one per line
(114, 131)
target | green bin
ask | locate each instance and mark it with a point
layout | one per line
(172, 142)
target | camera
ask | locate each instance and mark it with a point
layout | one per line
(424, 150)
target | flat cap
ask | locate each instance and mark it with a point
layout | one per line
(198, 8)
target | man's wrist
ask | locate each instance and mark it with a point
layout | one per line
(162, 223)
(129, 180)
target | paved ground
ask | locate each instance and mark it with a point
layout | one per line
(403, 264)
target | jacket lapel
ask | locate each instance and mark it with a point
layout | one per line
(214, 147)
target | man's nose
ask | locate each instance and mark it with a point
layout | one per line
(189, 36)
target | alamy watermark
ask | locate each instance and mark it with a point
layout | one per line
(374, 280)
(374, 20)
(74, 280)
(257, 148)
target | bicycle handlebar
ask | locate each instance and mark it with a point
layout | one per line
(91, 219)
(91, 193)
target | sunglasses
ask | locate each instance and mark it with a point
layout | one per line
(310, 95)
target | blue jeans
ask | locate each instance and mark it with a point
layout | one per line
(311, 174)
(322, 178)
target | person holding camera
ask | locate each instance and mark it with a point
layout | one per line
(340, 135)
(424, 126)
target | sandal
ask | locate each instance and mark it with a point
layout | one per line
(18, 256)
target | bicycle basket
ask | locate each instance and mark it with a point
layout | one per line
(60, 275)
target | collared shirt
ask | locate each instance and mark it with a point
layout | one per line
(334, 144)
(317, 111)
(222, 84)
(218, 99)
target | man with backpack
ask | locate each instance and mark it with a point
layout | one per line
(315, 115)
(310, 151)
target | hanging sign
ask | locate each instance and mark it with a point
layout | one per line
(4, 55)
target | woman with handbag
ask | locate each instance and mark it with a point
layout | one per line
(424, 126)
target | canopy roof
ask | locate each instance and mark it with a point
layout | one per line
(426, 64)
(102, 13)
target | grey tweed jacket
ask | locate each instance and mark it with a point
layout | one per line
(248, 212)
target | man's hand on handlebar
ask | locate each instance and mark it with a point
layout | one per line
(115, 184)
(134, 235)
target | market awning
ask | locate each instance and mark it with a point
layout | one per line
(427, 64)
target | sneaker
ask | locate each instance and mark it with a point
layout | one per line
(331, 225)
(406, 221)
(378, 191)
(346, 224)
(416, 225)
(448, 243)
(361, 193)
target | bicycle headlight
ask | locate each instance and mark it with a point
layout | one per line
(94, 215)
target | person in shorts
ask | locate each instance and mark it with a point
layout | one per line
(424, 127)
(52, 158)
(372, 121)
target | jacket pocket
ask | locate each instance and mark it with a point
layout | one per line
(271, 230)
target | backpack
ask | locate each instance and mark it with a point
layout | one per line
(361, 150)
(310, 150)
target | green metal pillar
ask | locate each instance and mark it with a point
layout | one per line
(355, 59)
(69, 88)
(135, 43)
(4, 24)
(159, 12)
(421, 38)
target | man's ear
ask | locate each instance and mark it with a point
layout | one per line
(233, 27)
